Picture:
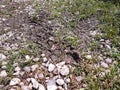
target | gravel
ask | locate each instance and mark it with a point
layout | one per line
(2, 57)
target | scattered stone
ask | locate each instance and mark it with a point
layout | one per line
(102, 74)
(45, 59)
(88, 57)
(25, 88)
(67, 80)
(34, 67)
(104, 65)
(41, 87)
(108, 60)
(51, 67)
(2, 57)
(27, 69)
(41, 76)
(27, 57)
(14, 81)
(3, 73)
(17, 69)
(36, 59)
(43, 55)
(79, 78)
(60, 81)
(35, 83)
(51, 85)
(64, 70)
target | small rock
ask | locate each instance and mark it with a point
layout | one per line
(36, 59)
(3, 73)
(2, 57)
(35, 83)
(45, 59)
(60, 81)
(17, 69)
(51, 85)
(14, 81)
(51, 67)
(27, 57)
(60, 64)
(25, 88)
(108, 60)
(102, 74)
(41, 87)
(41, 76)
(43, 55)
(27, 69)
(34, 67)
(104, 65)
(64, 70)
(88, 57)
(79, 78)
(67, 80)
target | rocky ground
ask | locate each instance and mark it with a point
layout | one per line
(40, 53)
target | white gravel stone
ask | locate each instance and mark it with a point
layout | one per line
(3, 73)
(36, 59)
(60, 64)
(15, 81)
(102, 74)
(43, 55)
(45, 59)
(2, 57)
(41, 87)
(60, 81)
(108, 60)
(79, 78)
(27, 57)
(35, 83)
(34, 67)
(25, 88)
(67, 80)
(27, 69)
(41, 76)
(104, 65)
(88, 57)
(51, 67)
(17, 68)
(64, 70)
(51, 85)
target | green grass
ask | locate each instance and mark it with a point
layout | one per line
(108, 13)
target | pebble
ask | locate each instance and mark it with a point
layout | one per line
(35, 83)
(25, 88)
(3, 73)
(34, 67)
(51, 67)
(60, 82)
(51, 85)
(43, 55)
(108, 60)
(88, 57)
(41, 87)
(104, 65)
(45, 59)
(64, 70)
(67, 80)
(41, 76)
(27, 57)
(14, 81)
(79, 78)
(36, 59)
(2, 57)
(27, 69)
(17, 68)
